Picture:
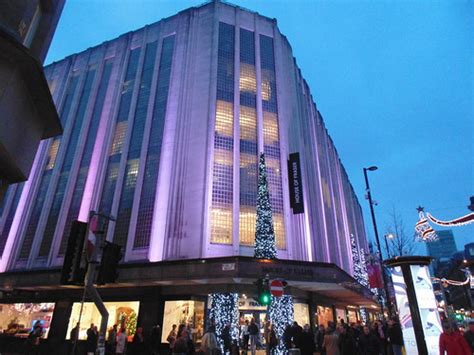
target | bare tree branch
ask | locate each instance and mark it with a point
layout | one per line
(401, 243)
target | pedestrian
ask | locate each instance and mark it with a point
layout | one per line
(272, 340)
(287, 337)
(319, 339)
(253, 334)
(368, 342)
(138, 343)
(395, 336)
(209, 345)
(296, 332)
(452, 342)
(91, 342)
(121, 342)
(226, 339)
(307, 341)
(181, 343)
(74, 335)
(244, 330)
(266, 336)
(469, 335)
(112, 340)
(33, 341)
(171, 338)
(330, 341)
(346, 342)
(154, 340)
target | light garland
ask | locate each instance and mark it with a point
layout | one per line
(461, 221)
(264, 233)
(356, 260)
(452, 282)
(364, 277)
(281, 314)
(423, 228)
(225, 310)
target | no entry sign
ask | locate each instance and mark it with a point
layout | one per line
(276, 288)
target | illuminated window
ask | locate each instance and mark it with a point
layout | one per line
(183, 312)
(270, 129)
(248, 124)
(18, 319)
(248, 82)
(222, 177)
(279, 228)
(52, 154)
(124, 314)
(119, 137)
(247, 224)
(326, 193)
(224, 118)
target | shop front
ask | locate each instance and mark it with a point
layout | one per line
(18, 319)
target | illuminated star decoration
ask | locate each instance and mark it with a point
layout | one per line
(281, 314)
(264, 233)
(423, 228)
(225, 309)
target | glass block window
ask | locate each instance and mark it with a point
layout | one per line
(119, 133)
(152, 162)
(78, 189)
(17, 189)
(222, 172)
(271, 136)
(55, 208)
(24, 251)
(133, 159)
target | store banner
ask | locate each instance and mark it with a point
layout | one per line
(427, 305)
(295, 183)
(375, 276)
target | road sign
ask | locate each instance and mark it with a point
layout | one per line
(276, 288)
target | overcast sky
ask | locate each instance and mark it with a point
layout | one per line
(392, 79)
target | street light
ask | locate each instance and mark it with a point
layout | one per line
(371, 204)
(388, 236)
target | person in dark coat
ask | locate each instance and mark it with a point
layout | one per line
(395, 336)
(347, 344)
(307, 341)
(368, 343)
(92, 337)
(226, 339)
(287, 337)
(138, 343)
(320, 338)
(154, 340)
(296, 333)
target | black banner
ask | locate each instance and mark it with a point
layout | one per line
(295, 183)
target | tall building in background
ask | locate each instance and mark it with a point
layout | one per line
(442, 249)
(162, 130)
(27, 111)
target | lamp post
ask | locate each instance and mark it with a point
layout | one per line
(388, 236)
(377, 239)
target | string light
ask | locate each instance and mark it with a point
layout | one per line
(281, 314)
(225, 310)
(461, 221)
(453, 282)
(423, 228)
(264, 234)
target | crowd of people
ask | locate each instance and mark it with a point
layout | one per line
(375, 338)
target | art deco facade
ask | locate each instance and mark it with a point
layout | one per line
(162, 127)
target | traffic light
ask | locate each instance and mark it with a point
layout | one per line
(72, 273)
(263, 292)
(111, 256)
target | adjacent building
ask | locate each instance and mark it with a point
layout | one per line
(162, 130)
(27, 111)
(442, 249)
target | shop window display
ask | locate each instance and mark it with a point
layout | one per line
(190, 313)
(301, 313)
(124, 314)
(18, 319)
(324, 315)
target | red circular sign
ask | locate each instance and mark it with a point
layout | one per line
(276, 288)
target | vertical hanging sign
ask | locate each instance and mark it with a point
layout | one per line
(295, 183)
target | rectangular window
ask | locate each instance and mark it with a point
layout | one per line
(184, 312)
(18, 319)
(222, 179)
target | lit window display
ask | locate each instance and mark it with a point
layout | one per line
(17, 319)
(352, 316)
(324, 315)
(124, 314)
(340, 314)
(301, 313)
(190, 313)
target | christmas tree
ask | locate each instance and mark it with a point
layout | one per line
(264, 235)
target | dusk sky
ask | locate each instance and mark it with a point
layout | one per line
(392, 79)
